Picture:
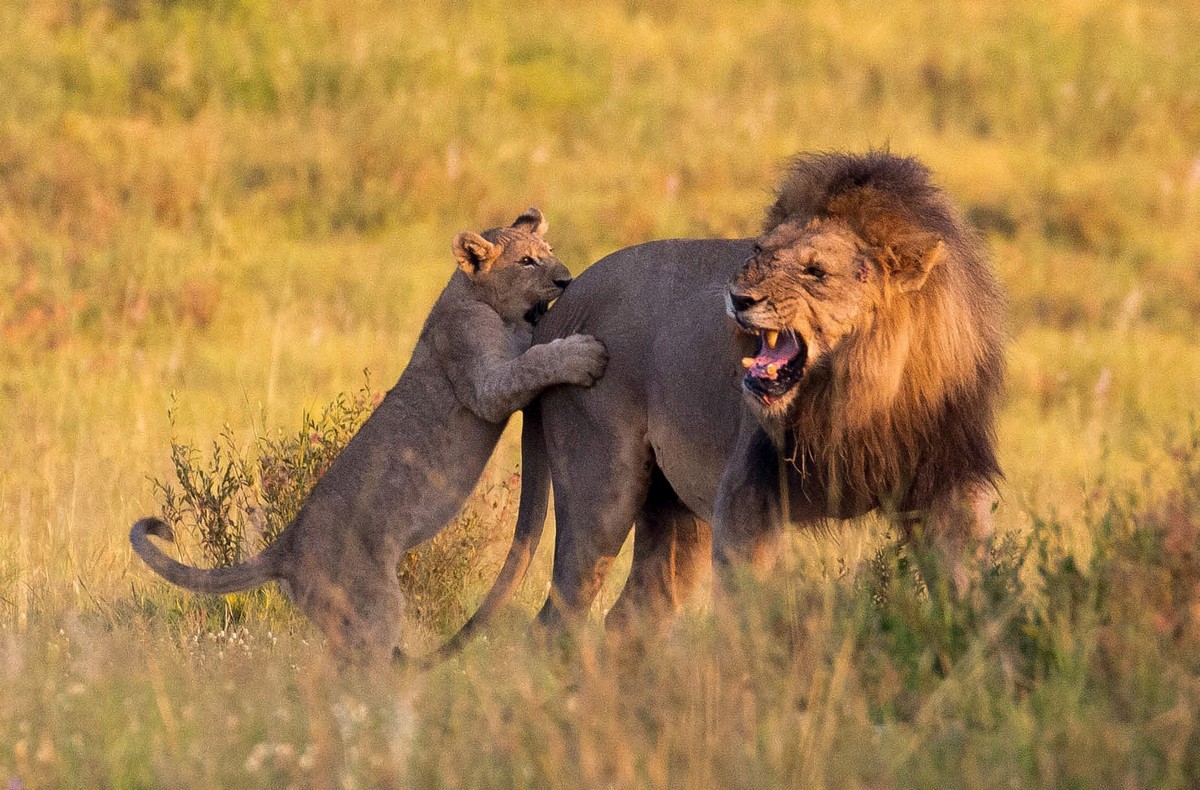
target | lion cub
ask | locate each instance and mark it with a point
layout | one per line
(414, 462)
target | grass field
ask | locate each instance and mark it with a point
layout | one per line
(228, 210)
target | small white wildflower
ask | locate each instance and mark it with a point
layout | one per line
(257, 755)
(45, 752)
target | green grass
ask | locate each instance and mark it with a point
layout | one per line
(237, 207)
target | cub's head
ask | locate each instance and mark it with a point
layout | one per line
(513, 269)
(811, 285)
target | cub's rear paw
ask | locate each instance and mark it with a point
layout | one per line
(581, 359)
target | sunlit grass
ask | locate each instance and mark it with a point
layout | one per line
(237, 207)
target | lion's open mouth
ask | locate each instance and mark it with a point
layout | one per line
(777, 366)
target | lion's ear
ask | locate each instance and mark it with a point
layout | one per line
(532, 221)
(914, 259)
(474, 254)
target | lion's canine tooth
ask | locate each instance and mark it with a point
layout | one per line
(772, 336)
(747, 362)
(772, 370)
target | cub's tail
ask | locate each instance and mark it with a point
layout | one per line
(531, 518)
(215, 581)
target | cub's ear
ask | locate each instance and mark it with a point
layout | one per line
(911, 259)
(532, 221)
(474, 254)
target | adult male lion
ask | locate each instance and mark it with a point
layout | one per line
(409, 468)
(849, 359)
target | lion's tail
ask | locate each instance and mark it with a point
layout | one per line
(531, 519)
(215, 581)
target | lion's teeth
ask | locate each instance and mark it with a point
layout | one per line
(747, 362)
(772, 370)
(772, 337)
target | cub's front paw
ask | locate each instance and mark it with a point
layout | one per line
(581, 359)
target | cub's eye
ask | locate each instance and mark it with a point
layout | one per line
(529, 260)
(815, 272)
(756, 249)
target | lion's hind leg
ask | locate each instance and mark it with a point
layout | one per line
(671, 549)
(600, 484)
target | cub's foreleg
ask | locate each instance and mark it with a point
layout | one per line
(506, 386)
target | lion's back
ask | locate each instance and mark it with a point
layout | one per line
(634, 288)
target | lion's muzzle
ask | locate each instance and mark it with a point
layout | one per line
(741, 302)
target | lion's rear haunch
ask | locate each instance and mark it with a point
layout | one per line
(904, 408)
(214, 581)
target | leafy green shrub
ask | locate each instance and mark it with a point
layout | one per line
(289, 465)
(211, 498)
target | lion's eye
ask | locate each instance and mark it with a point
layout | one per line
(756, 249)
(815, 272)
(529, 260)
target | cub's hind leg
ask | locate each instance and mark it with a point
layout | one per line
(356, 604)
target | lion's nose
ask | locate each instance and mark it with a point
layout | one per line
(742, 302)
(563, 282)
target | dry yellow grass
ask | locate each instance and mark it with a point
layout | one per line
(238, 206)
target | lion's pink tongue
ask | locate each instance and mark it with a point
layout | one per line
(780, 355)
(768, 361)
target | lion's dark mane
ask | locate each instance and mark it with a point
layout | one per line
(937, 432)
